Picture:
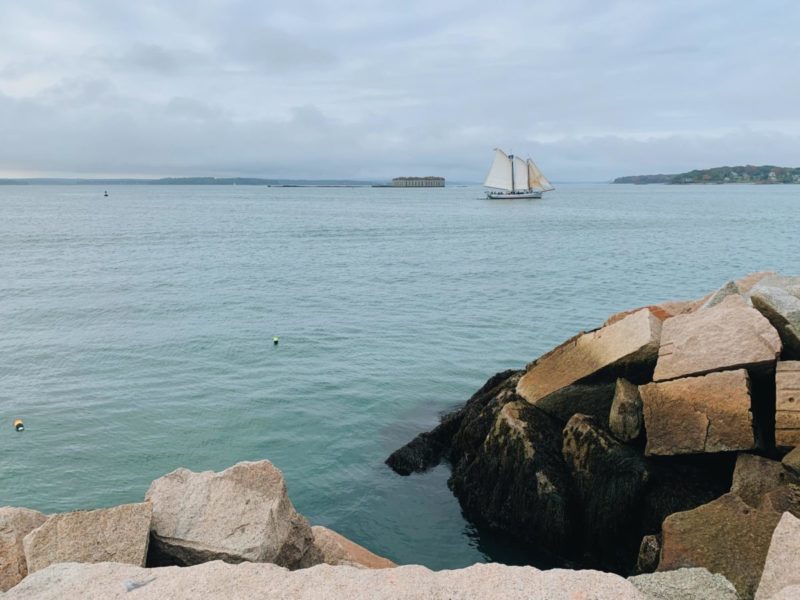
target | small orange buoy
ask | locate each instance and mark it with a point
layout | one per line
(19, 425)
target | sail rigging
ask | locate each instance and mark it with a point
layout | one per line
(499, 176)
(536, 178)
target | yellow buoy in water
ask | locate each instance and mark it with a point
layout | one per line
(19, 425)
(275, 340)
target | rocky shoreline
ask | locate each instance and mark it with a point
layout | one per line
(663, 439)
(658, 455)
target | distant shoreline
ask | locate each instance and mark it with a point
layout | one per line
(750, 174)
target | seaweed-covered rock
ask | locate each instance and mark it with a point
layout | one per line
(428, 448)
(516, 481)
(609, 479)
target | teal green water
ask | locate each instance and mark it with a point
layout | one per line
(136, 330)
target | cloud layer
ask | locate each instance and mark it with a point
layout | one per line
(376, 89)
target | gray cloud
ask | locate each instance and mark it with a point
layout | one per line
(592, 90)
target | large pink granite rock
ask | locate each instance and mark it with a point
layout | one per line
(242, 513)
(726, 536)
(338, 550)
(787, 403)
(15, 524)
(729, 335)
(257, 581)
(118, 534)
(778, 298)
(710, 413)
(754, 476)
(782, 567)
(631, 340)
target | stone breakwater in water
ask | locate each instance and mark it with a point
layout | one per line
(667, 438)
(236, 534)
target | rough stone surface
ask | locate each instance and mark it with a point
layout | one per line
(625, 418)
(787, 403)
(661, 311)
(242, 513)
(631, 340)
(754, 476)
(791, 462)
(338, 550)
(118, 534)
(217, 580)
(726, 336)
(649, 551)
(710, 413)
(726, 536)
(778, 299)
(513, 479)
(782, 567)
(15, 524)
(685, 584)
(785, 498)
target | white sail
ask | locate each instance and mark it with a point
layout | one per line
(499, 176)
(520, 174)
(536, 180)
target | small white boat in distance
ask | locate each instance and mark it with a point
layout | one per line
(513, 178)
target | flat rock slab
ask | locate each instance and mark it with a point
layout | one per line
(791, 462)
(729, 335)
(710, 413)
(726, 536)
(787, 403)
(118, 534)
(15, 524)
(338, 550)
(778, 299)
(782, 567)
(218, 580)
(685, 584)
(242, 513)
(631, 340)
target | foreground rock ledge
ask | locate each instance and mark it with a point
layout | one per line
(218, 580)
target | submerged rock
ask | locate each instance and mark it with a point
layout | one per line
(726, 536)
(118, 534)
(630, 342)
(685, 584)
(218, 580)
(730, 335)
(240, 514)
(15, 524)
(710, 413)
(427, 449)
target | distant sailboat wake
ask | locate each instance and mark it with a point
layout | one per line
(510, 177)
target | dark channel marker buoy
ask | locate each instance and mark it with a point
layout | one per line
(19, 425)
(275, 340)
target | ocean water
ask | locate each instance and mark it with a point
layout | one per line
(136, 330)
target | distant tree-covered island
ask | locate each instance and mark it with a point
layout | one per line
(743, 174)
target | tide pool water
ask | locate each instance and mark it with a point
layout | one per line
(136, 330)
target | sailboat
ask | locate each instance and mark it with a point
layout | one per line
(511, 177)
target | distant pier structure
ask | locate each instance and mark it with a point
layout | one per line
(418, 182)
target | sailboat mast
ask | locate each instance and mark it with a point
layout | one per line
(511, 158)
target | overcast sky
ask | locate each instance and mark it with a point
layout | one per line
(373, 89)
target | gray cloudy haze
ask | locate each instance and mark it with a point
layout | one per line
(357, 89)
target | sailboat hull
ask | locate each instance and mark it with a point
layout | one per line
(514, 195)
